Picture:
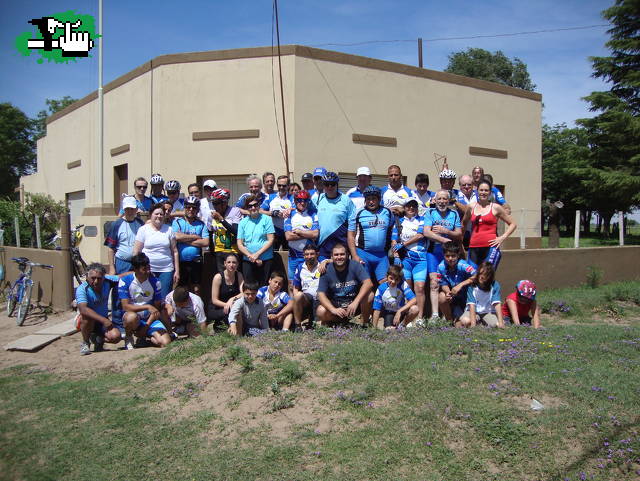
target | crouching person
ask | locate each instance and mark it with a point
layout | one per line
(394, 303)
(185, 309)
(248, 315)
(455, 276)
(305, 287)
(93, 320)
(140, 294)
(483, 299)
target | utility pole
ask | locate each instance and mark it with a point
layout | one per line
(420, 52)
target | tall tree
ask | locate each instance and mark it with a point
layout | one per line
(613, 174)
(17, 147)
(53, 106)
(494, 67)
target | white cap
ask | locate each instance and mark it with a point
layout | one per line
(363, 171)
(129, 203)
(210, 183)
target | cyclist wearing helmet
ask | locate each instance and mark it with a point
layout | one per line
(334, 210)
(396, 193)
(255, 188)
(157, 183)
(191, 236)
(224, 225)
(363, 175)
(520, 307)
(177, 204)
(300, 229)
(278, 206)
(208, 187)
(369, 234)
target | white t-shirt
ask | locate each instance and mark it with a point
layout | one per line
(194, 312)
(157, 246)
(205, 212)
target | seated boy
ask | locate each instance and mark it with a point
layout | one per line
(248, 316)
(394, 301)
(454, 276)
(142, 304)
(184, 309)
(277, 302)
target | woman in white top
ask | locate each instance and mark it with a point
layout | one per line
(158, 241)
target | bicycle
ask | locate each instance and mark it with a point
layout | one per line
(77, 262)
(19, 294)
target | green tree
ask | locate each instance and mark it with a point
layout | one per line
(494, 67)
(17, 147)
(53, 106)
(49, 211)
(612, 175)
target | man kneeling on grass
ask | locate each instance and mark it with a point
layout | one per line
(93, 320)
(248, 315)
(185, 309)
(141, 299)
(344, 290)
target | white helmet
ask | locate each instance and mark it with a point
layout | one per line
(448, 174)
(156, 179)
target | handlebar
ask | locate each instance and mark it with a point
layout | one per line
(25, 261)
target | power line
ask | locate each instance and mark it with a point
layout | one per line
(442, 39)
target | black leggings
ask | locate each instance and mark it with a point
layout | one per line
(254, 273)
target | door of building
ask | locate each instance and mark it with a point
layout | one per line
(120, 180)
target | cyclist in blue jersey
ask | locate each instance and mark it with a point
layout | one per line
(157, 189)
(191, 236)
(441, 224)
(334, 210)
(143, 203)
(363, 175)
(300, 229)
(318, 176)
(454, 276)
(279, 206)
(255, 188)
(410, 250)
(369, 234)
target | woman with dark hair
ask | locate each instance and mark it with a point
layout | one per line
(255, 241)
(484, 215)
(158, 241)
(226, 288)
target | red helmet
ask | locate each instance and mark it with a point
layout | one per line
(526, 289)
(303, 195)
(220, 195)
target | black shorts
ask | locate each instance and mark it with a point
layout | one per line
(458, 306)
(190, 272)
(309, 311)
(388, 317)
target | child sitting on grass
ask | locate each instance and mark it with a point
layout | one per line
(520, 307)
(277, 302)
(483, 299)
(248, 316)
(454, 276)
(394, 301)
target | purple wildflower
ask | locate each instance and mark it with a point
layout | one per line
(596, 389)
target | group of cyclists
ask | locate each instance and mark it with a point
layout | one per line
(385, 256)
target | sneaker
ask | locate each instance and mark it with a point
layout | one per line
(85, 349)
(434, 320)
(128, 343)
(98, 345)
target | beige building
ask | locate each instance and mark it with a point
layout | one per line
(213, 115)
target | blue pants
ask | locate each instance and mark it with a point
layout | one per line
(294, 262)
(376, 264)
(122, 265)
(166, 282)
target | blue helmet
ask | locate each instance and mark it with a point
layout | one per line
(331, 177)
(372, 190)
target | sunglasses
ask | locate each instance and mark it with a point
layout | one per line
(141, 186)
(330, 184)
(302, 200)
(172, 192)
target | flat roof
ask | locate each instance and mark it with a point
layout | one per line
(306, 52)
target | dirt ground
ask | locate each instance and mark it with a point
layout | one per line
(63, 354)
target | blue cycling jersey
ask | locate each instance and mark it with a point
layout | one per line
(407, 229)
(333, 219)
(373, 229)
(158, 199)
(450, 220)
(392, 298)
(186, 251)
(452, 277)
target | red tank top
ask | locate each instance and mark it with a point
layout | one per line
(483, 228)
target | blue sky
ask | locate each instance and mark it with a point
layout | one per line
(136, 31)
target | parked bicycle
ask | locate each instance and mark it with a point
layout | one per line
(19, 294)
(78, 263)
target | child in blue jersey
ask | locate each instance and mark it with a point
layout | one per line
(141, 298)
(394, 301)
(277, 302)
(410, 249)
(369, 234)
(300, 229)
(454, 276)
(483, 299)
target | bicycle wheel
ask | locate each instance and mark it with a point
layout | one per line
(24, 305)
(10, 295)
(79, 267)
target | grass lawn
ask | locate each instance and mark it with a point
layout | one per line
(441, 404)
(593, 240)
